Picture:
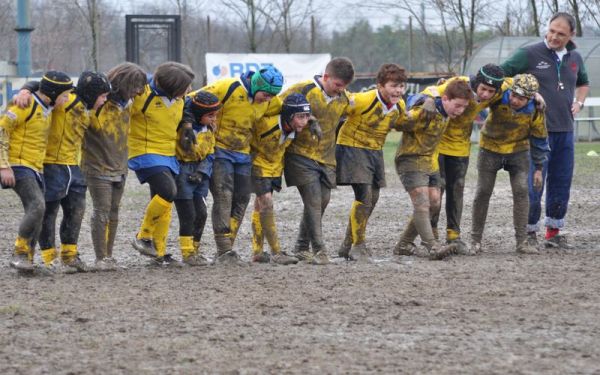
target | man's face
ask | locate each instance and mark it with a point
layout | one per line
(262, 96)
(100, 100)
(454, 107)
(517, 101)
(299, 121)
(485, 92)
(333, 86)
(392, 91)
(559, 34)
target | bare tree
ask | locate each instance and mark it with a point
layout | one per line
(89, 10)
(535, 18)
(251, 13)
(290, 17)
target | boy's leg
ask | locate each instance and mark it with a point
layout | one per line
(32, 197)
(518, 169)
(221, 187)
(241, 197)
(73, 206)
(101, 193)
(488, 165)
(48, 233)
(456, 170)
(118, 188)
(186, 213)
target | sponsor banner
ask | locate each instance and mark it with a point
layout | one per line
(295, 67)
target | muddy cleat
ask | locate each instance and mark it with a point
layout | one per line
(21, 262)
(75, 264)
(460, 247)
(230, 257)
(406, 249)
(439, 252)
(304, 256)
(167, 261)
(475, 248)
(360, 253)
(104, 265)
(196, 260)
(526, 248)
(344, 251)
(532, 239)
(262, 257)
(144, 247)
(284, 259)
(55, 266)
(320, 258)
(558, 242)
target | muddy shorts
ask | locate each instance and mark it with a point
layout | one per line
(192, 181)
(359, 166)
(62, 179)
(413, 179)
(300, 170)
(264, 185)
(26, 172)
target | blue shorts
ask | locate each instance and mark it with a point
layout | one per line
(26, 172)
(192, 180)
(144, 173)
(61, 180)
(236, 162)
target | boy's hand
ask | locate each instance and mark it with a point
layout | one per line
(23, 98)
(188, 138)
(537, 180)
(315, 128)
(7, 177)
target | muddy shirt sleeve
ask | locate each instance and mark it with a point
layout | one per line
(8, 121)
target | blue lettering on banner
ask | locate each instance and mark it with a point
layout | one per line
(237, 68)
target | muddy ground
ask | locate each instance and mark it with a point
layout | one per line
(495, 313)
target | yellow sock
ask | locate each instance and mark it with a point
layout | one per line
(186, 244)
(234, 225)
(48, 255)
(154, 211)
(257, 233)
(196, 246)
(452, 234)
(358, 222)
(267, 220)
(22, 246)
(68, 252)
(161, 231)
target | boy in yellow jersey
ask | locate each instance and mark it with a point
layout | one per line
(310, 159)
(152, 141)
(359, 151)
(64, 182)
(455, 147)
(245, 101)
(195, 156)
(512, 125)
(23, 139)
(272, 135)
(104, 159)
(418, 171)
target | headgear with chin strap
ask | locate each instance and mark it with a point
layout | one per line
(267, 79)
(90, 86)
(54, 83)
(489, 74)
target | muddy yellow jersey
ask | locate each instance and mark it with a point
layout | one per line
(69, 123)
(238, 115)
(269, 143)
(456, 140)
(328, 112)
(24, 135)
(369, 121)
(507, 131)
(205, 145)
(418, 146)
(154, 122)
(105, 141)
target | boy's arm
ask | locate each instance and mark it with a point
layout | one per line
(7, 122)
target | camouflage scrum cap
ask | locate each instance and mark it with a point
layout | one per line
(525, 85)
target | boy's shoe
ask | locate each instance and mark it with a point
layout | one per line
(21, 262)
(532, 239)
(75, 265)
(104, 265)
(167, 260)
(475, 248)
(526, 248)
(230, 257)
(406, 249)
(558, 242)
(304, 255)
(144, 247)
(262, 257)
(360, 253)
(460, 247)
(284, 259)
(320, 258)
(196, 260)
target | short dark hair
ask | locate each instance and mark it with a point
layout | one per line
(125, 79)
(391, 72)
(566, 16)
(173, 78)
(341, 68)
(458, 88)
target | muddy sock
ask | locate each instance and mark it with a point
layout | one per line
(359, 214)
(551, 232)
(234, 226)
(154, 211)
(161, 230)
(68, 252)
(22, 247)
(267, 221)
(257, 233)
(223, 242)
(452, 235)
(409, 234)
(111, 234)
(48, 255)
(186, 245)
(423, 226)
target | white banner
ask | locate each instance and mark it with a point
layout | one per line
(295, 67)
